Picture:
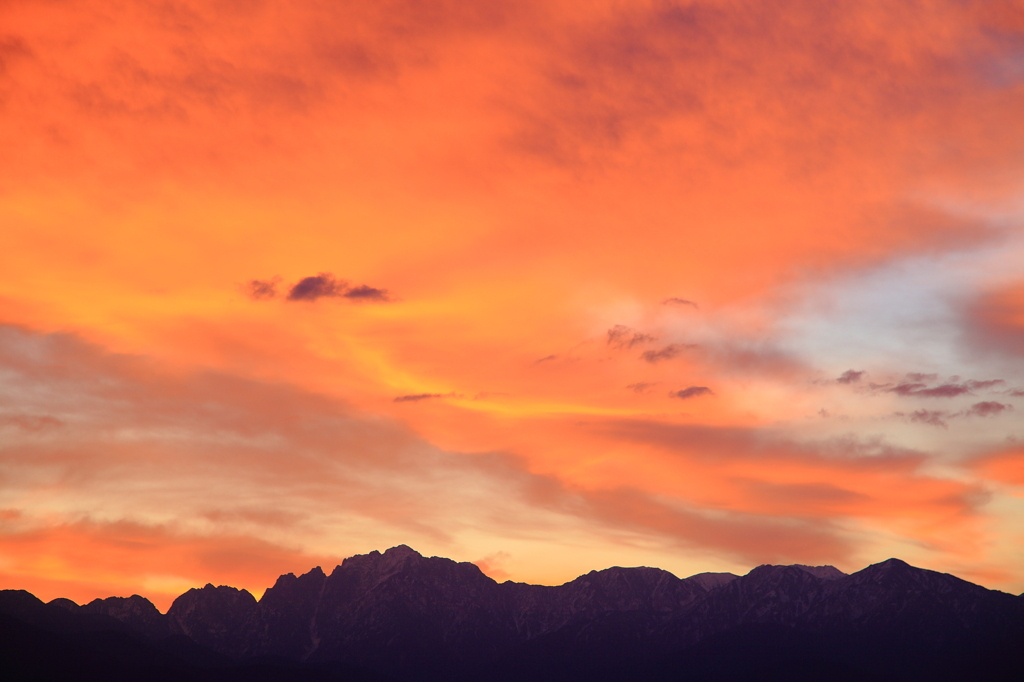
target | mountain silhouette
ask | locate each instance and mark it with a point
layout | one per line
(401, 616)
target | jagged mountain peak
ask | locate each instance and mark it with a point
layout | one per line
(823, 572)
(314, 572)
(402, 559)
(210, 587)
(898, 573)
(778, 570)
(390, 558)
(132, 604)
(890, 569)
(427, 619)
(820, 572)
(621, 573)
(402, 551)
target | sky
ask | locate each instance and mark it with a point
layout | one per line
(547, 286)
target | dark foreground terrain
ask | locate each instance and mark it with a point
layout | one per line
(403, 617)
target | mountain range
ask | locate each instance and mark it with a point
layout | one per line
(402, 617)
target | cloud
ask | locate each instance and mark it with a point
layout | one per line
(416, 397)
(122, 557)
(326, 285)
(850, 377)
(262, 289)
(749, 537)
(642, 386)
(987, 409)
(210, 436)
(367, 293)
(941, 417)
(667, 353)
(1005, 465)
(491, 565)
(932, 417)
(917, 387)
(30, 422)
(994, 320)
(691, 392)
(921, 390)
(679, 301)
(978, 385)
(746, 357)
(886, 481)
(313, 288)
(546, 358)
(621, 336)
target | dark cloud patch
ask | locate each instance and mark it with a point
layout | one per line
(621, 336)
(850, 377)
(941, 417)
(261, 289)
(943, 391)
(641, 387)
(326, 285)
(680, 302)
(417, 397)
(1017, 393)
(691, 392)
(667, 353)
(918, 385)
(366, 293)
(546, 358)
(921, 390)
(979, 385)
(988, 408)
(323, 285)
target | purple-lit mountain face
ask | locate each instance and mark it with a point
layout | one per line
(402, 616)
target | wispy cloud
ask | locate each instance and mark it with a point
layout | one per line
(262, 289)
(417, 397)
(668, 352)
(623, 337)
(691, 392)
(850, 377)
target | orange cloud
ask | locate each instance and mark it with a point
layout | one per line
(997, 320)
(1005, 466)
(87, 560)
(586, 235)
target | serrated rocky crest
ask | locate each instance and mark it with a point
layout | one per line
(431, 618)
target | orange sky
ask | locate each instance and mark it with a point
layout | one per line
(548, 286)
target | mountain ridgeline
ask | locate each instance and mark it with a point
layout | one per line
(401, 616)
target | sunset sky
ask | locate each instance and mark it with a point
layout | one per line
(547, 286)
